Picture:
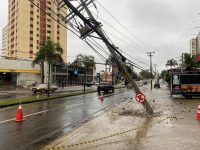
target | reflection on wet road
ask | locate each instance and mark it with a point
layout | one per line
(44, 119)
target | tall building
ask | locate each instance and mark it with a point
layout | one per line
(198, 44)
(29, 27)
(4, 41)
(193, 46)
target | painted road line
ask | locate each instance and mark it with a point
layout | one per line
(25, 116)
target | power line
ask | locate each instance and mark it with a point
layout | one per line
(142, 44)
(52, 17)
(129, 39)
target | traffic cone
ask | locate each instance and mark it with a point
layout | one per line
(19, 115)
(198, 113)
(101, 97)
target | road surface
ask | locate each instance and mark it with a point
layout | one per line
(45, 119)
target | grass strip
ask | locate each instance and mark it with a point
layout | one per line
(32, 99)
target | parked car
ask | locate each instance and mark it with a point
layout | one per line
(105, 87)
(44, 88)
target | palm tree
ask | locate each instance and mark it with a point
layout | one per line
(111, 61)
(87, 61)
(189, 61)
(171, 63)
(50, 52)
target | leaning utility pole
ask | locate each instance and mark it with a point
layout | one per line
(151, 68)
(91, 25)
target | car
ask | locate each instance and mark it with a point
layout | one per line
(105, 87)
(145, 82)
(41, 88)
(157, 85)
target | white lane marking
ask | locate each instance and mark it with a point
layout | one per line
(40, 112)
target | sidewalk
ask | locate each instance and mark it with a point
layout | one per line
(126, 127)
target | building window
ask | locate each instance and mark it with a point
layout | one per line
(31, 12)
(48, 31)
(49, 2)
(49, 25)
(31, 52)
(49, 20)
(31, 25)
(31, 45)
(49, 8)
(31, 32)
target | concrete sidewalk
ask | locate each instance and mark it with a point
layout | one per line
(126, 127)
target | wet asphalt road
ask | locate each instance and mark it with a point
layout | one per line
(45, 119)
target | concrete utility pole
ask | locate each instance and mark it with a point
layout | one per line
(119, 58)
(151, 68)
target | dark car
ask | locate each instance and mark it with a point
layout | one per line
(105, 87)
(157, 85)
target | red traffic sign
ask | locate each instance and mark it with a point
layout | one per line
(140, 97)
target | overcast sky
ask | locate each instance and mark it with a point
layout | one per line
(162, 26)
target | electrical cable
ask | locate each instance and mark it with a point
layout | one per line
(53, 18)
(142, 44)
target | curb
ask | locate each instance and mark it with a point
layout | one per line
(23, 101)
(45, 98)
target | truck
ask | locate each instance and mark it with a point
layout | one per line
(186, 84)
(105, 87)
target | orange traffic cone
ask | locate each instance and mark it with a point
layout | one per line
(198, 113)
(101, 97)
(19, 115)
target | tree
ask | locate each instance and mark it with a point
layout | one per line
(189, 62)
(50, 52)
(111, 61)
(87, 61)
(171, 63)
(146, 74)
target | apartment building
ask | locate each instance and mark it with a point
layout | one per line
(193, 46)
(29, 27)
(4, 42)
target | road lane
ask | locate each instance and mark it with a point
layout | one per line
(57, 115)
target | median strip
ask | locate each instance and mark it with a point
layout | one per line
(32, 99)
(36, 98)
